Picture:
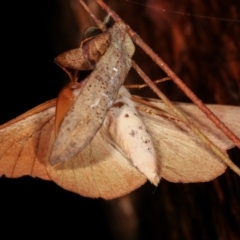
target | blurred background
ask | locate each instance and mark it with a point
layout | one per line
(204, 52)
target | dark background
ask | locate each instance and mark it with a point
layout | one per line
(204, 52)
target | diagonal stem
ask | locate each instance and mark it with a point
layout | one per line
(174, 77)
(185, 89)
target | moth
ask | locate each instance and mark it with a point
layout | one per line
(96, 96)
(100, 169)
(103, 168)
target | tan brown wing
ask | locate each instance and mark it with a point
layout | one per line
(19, 143)
(183, 157)
(100, 170)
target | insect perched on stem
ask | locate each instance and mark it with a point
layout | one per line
(129, 140)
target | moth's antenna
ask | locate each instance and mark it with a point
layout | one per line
(101, 25)
(157, 9)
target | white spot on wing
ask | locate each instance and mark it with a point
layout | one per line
(95, 104)
(105, 95)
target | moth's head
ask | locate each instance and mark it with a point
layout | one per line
(91, 32)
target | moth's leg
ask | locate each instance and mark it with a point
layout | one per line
(73, 76)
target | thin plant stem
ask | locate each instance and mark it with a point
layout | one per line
(140, 86)
(184, 119)
(136, 38)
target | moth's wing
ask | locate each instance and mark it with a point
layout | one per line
(184, 158)
(99, 170)
(22, 146)
(230, 115)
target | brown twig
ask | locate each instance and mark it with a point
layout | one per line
(139, 86)
(173, 76)
(99, 23)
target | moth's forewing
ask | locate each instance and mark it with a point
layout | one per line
(98, 94)
(183, 156)
(21, 149)
(100, 170)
